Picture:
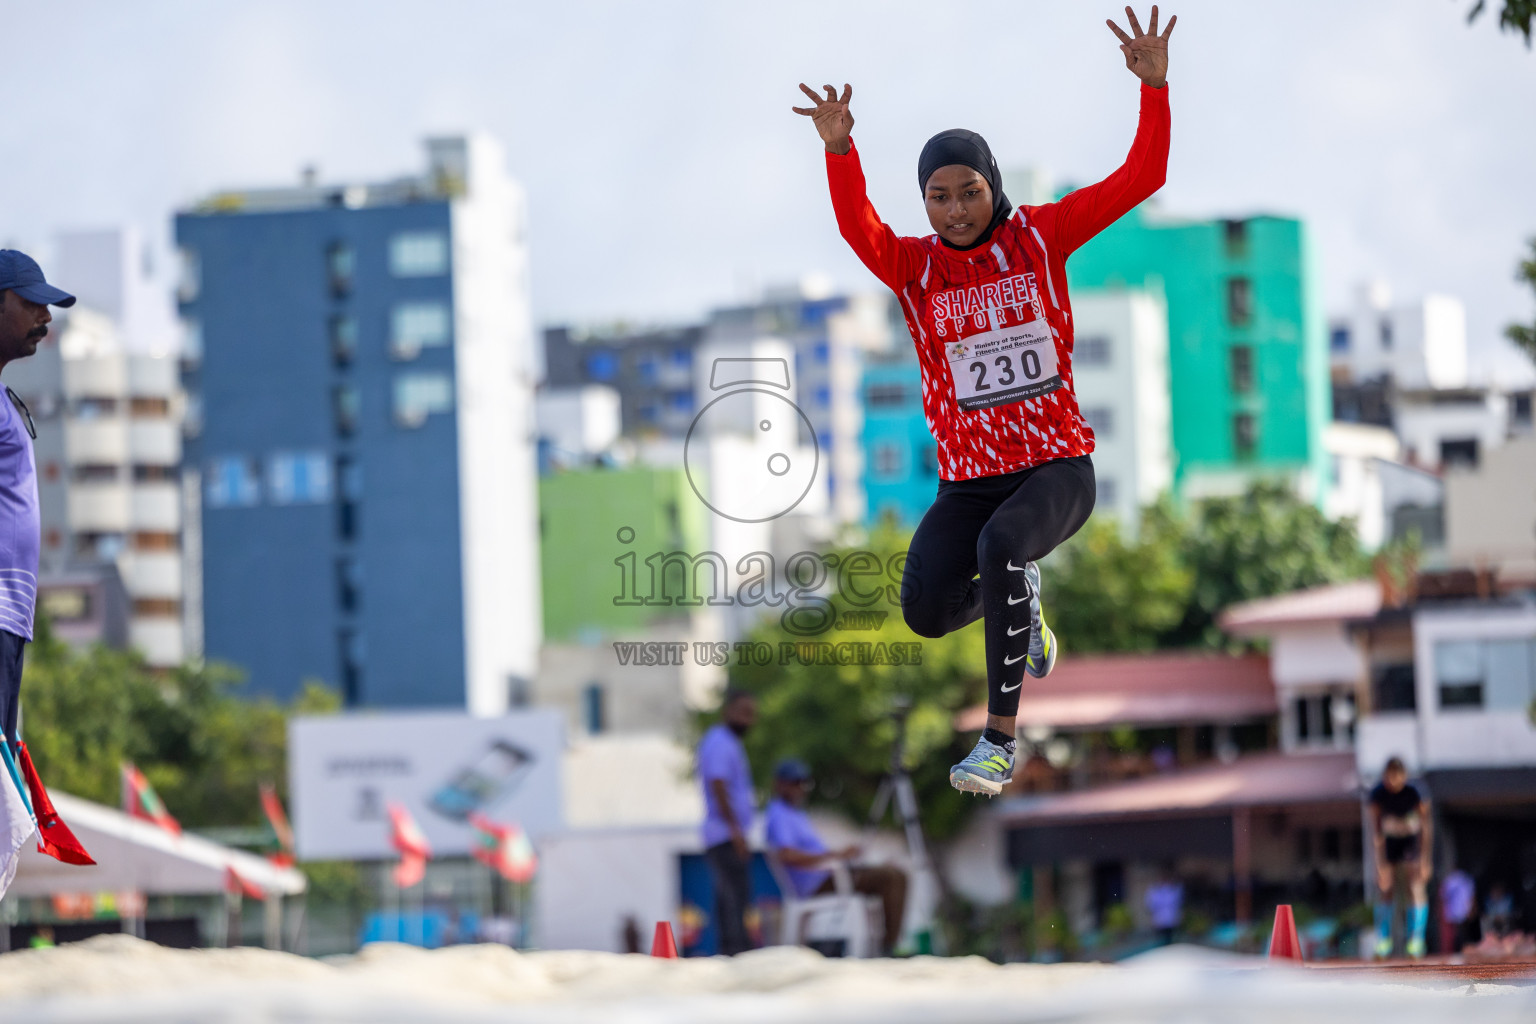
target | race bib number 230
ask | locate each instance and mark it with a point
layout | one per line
(1003, 366)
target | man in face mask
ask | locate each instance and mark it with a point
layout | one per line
(727, 779)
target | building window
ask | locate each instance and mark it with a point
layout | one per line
(94, 473)
(931, 459)
(418, 254)
(682, 358)
(681, 402)
(343, 338)
(189, 274)
(602, 366)
(1395, 689)
(191, 339)
(419, 395)
(349, 584)
(1235, 234)
(346, 403)
(1241, 358)
(153, 540)
(1494, 674)
(1245, 435)
(1384, 329)
(144, 473)
(823, 396)
(885, 395)
(1091, 352)
(233, 482)
(340, 263)
(1102, 419)
(349, 484)
(149, 408)
(1520, 409)
(1338, 339)
(298, 478)
(1239, 301)
(415, 326)
(94, 408)
(821, 352)
(1459, 452)
(350, 643)
(66, 604)
(156, 608)
(888, 459)
(646, 365)
(592, 707)
(1108, 489)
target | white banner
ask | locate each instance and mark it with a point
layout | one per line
(343, 771)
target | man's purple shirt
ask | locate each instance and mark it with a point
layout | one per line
(789, 828)
(721, 756)
(20, 524)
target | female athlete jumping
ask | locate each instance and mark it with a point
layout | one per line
(985, 298)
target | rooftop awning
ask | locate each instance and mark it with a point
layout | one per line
(132, 854)
(1342, 602)
(1173, 688)
(1259, 780)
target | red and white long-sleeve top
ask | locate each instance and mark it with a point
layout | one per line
(993, 325)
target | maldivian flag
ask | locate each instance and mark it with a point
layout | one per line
(503, 848)
(279, 822)
(16, 824)
(407, 838)
(141, 801)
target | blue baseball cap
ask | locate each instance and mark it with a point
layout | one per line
(792, 769)
(21, 274)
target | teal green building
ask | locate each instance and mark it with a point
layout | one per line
(1247, 360)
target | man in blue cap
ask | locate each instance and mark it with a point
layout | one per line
(25, 296)
(793, 839)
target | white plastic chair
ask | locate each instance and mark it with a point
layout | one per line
(841, 914)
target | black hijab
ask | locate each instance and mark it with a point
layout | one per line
(958, 146)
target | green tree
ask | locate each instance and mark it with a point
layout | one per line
(1516, 15)
(1259, 544)
(838, 717)
(1524, 335)
(205, 750)
(1107, 592)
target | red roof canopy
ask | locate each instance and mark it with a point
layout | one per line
(1259, 780)
(1164, 688)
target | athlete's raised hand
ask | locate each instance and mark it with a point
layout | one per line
(1146, 53)
(831, 116)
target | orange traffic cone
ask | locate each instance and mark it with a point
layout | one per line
(663, 945)
(1284, 943)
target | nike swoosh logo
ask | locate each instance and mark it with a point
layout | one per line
(1012, 567)
(1017, 600)
(1015, 686)
(1010, 661)
(1016, 632)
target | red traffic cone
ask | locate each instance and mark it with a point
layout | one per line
(663, 945)
(1284, 944)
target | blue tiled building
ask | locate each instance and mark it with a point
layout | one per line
(359, 373)
(901, 466)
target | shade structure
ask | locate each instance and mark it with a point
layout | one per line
(136, 855)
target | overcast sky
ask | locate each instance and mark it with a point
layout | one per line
(666, 174)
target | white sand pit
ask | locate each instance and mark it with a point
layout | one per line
(120, 979)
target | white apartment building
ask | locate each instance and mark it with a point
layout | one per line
(1120, 373)
(1420, 344)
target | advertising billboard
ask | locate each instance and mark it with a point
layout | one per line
(443, 767)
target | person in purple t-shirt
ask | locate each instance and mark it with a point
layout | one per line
(727, 779)
(24, 300)
(793, 840)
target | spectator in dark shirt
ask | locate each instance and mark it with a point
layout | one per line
(1401, 840)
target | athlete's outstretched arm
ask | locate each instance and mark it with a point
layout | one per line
(1084, 213)
(888, 256)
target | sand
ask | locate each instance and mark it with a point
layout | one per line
(116, 978)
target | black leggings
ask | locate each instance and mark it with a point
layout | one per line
(980, 525)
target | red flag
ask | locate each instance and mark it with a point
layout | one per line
(278, 820)
(238, 885)
(141, 801)
(404, 835)
(410, 871)
(53, 836)
(504, 848)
